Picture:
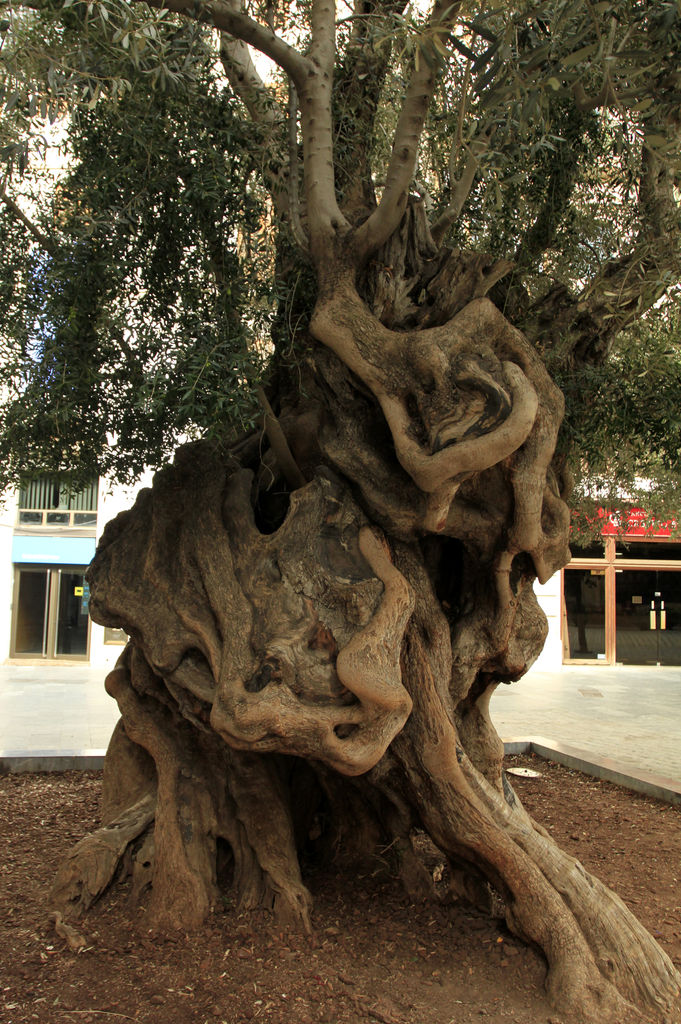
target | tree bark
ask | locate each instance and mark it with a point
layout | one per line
(322, 647)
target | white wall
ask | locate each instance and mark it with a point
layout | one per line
(8, 515)
(111, 501)
(548, 595)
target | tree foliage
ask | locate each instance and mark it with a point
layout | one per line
(622, 432)
(137, 309)
(140, 321)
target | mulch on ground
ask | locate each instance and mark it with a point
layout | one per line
(375, 956)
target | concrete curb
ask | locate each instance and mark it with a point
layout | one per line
(16, 761)
(657, 786)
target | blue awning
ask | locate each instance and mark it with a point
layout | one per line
(53, 550)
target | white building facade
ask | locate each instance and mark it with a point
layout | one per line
(47, 540)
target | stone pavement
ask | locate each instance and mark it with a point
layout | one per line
(54, 709)
(631, 715)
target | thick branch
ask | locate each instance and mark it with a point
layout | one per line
(225, 18)
(45, 241)
(657, 197)
(581, 327)
(385, 219)
(264, 109)
(315, 93)
(323, 46)
(293, 195)
(243, 76)
(562, 177)
(358, 85)
(462, 188)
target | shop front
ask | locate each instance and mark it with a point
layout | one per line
(622, 598)
(50, 601)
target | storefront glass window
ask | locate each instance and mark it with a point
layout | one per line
(585, 611)
(648, 617)
(595, 549)
(649, 550)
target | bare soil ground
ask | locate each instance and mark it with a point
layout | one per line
(374, 956)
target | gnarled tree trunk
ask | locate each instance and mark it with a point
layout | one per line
(329, 637)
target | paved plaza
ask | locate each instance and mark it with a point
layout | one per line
(631, 715)
(54, 709)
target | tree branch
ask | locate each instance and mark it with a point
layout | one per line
(357, 87)
(263, 107)
(323, 45)
(580, 328)
(313, 78)
(315, 92)
(463, 187)
(293, 196)
(227, 19)
(463, 103)
(384, 220)
(628, 288)
(243, 76)
(44, 240)
(562, 178)
(606, 97)
(279, 445)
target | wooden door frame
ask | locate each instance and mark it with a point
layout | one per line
(610, 565)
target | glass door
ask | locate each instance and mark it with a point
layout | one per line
(584, 592)
(648, 617)
(31, 608)
(72, 617)
(50, 617)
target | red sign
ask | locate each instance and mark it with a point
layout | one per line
(635, 523)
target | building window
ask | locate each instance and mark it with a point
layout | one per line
(115, 636)
(46, 501)
(624, 607)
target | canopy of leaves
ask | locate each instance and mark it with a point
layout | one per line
(138, 307)
(146, 316)
(622, 430)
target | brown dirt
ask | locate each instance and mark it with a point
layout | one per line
(374, 957)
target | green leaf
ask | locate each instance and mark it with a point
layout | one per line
(580, 56)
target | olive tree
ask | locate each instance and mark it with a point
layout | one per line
(461, 207)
